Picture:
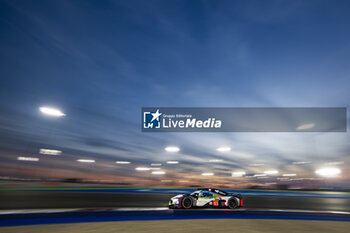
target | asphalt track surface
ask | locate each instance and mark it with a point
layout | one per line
(193, 226)
(151, 215)
(53, 200)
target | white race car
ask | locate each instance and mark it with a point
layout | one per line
(206, 197)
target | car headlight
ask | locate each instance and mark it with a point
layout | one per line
(176, 201)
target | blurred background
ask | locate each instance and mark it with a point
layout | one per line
(75, 74)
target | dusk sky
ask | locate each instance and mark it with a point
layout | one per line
(100, 62)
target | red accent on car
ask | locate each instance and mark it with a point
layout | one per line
(180, 200)
(241, 202)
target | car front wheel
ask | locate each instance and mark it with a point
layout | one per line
(186, 202)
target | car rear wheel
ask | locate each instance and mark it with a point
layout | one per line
(231, 203)
(186, 202)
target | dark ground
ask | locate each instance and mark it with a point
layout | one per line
(50, 199)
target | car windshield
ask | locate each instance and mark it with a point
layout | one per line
(217, 191)
(205, 194)
(195, 193)
(220, 192)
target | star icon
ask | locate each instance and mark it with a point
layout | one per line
(156, 115)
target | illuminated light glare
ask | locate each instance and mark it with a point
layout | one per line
(306, 126)
(51, 111)
(86, 160)
(215, 160)
(301, 162)
(156, 164)
(335, 163)
(158, 172)
(122, 162)
(259, 175)
(238, 174)
(172, 162)
(223, 149)
(271, 172)
(142, 169)
(207, 174)
(256, 164)
(32, 159)
(172, 149)
(288, 175)
(328, 171)
(50, 152)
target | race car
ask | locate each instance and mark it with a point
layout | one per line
(206, 197)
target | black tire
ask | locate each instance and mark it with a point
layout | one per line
(186, 202)
(232, 203)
